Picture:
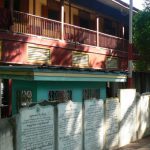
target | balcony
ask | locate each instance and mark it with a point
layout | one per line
(34, 25)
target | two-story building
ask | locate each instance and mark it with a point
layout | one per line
(62, 50)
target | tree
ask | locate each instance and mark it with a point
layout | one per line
(141, 37)
(147, 4)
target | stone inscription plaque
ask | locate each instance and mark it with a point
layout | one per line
(112, 122)
(70, 126)
(36, 128)
(127, 116)
(94, 125)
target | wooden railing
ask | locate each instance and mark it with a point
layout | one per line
(79, 35)
(112, 42)
(31, 24)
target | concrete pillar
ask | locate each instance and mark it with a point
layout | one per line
(11, 4)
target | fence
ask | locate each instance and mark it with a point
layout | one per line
(73, 125)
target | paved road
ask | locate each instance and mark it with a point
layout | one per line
(143, 144)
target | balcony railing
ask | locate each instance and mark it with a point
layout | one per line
(31, 24)
(79, 35)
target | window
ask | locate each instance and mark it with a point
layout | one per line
(110, 27)
(6, 4)
(23, 98)
(17, 5)
(54, 14)
(84, 23)
(60, 96)
(21, 5)
(91, 94)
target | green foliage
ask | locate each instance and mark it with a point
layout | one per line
(141, 37)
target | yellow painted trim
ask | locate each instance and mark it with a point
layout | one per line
(78, 75)
(60, 74)
(16, 73)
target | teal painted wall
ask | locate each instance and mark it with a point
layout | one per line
(40, 89)
(103, 90)
(22, 85)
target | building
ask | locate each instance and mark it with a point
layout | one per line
(50, 48)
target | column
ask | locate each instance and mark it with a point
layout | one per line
(130, 51)
(11, 8)
(62, 19)
(9, 97)
(97, 27)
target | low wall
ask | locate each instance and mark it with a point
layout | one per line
(143, 115)
(7, 135)
(100, 124)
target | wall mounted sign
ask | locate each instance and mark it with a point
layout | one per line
(35, 128)
(94, 125)
(38, 55)
(111, 63)
(80, 59)
(69, 124)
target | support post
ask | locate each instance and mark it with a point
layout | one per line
(11, 8)
(69, 12)
(130, 65)
(9, 97)
(97, 27)
(62, 20)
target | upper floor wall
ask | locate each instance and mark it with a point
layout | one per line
(81, 45)
(77, 12)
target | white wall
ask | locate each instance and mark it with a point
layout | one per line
(125, 119)
(6, 135)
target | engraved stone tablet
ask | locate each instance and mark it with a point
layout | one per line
(36, 128)
(94, 125)
(127, 116)
(112, 122)
(143, 115)
(69, 126)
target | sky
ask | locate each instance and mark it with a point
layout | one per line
(136, 3)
